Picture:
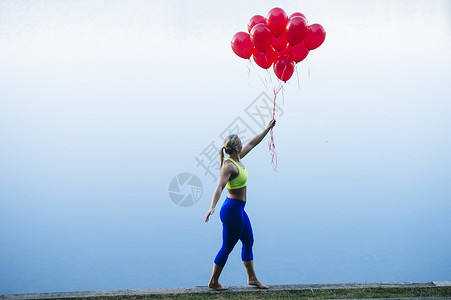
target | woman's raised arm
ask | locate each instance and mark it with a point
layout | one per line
(257, 139)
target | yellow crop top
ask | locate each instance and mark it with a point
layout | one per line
(239, 181)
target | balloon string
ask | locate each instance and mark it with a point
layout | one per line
(262, 79)
(271, 143)
(268, 80)
(310, 70)
(297, 76)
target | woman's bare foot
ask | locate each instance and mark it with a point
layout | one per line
(257, 283)
(214, 280)
(217, 286)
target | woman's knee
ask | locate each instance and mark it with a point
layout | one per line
(246, 253)
(248, 242)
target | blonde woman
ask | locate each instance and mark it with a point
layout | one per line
(236, 224)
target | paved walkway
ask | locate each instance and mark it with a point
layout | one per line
(204, 289)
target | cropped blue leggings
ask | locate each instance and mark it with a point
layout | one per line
(235, 226)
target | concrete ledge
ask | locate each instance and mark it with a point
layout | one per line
(442, 283)
(204, 289)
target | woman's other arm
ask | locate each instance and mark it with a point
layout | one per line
(223, 178)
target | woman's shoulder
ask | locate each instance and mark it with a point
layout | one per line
(229, 164)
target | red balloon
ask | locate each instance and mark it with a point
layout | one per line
(261, 37)
(264, 59)
(257, 19)
(315, 36)
(283, 68)
(298, 52)
(297, 28)
(297, 14)
(242, 45)
(284, 51)
(280, 42)
(277, 20)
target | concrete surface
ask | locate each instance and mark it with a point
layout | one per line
(204, 289)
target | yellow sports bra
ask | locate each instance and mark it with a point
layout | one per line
(239, 181)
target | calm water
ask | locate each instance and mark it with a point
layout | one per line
(103, 104)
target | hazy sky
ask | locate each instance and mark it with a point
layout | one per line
(102, 103)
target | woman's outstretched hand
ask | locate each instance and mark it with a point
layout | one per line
(209, 213)
(271, 124)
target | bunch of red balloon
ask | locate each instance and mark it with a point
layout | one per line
(278, 40)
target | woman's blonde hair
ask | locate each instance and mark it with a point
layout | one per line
(229, 143)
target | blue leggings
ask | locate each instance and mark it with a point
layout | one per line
(235, 226)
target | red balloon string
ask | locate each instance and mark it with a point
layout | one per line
(271, 143)
(297, 76)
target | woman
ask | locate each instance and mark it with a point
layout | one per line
(236, 224)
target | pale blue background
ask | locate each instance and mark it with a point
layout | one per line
(102, 103)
